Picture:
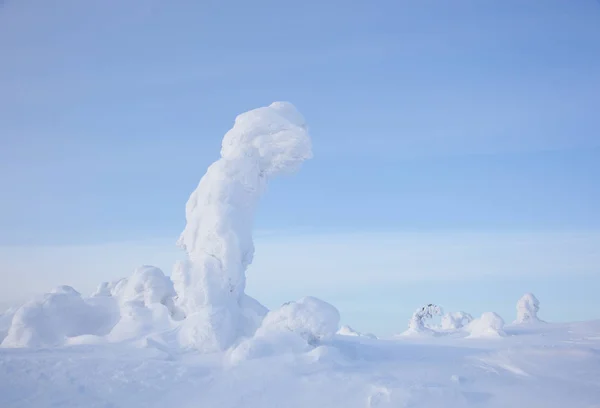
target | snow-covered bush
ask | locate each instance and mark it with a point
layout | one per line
(56, 316)
(416, 324)
(488, 325)
(217, 238)
(294, 327)
(455, 320)
(527, 309)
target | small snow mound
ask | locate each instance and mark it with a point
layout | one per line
(489, 324)
(309, 317)
(455, 320)
(295, 327)
(347, 331)
(54, 317)
(527, 309)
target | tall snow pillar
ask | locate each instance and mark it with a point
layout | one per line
(217, 238)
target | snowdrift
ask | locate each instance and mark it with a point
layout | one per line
(52, 318)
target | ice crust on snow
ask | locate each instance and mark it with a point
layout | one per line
(217, 238)
(489, 324)
(527, 309)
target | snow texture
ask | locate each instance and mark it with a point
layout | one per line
(488, 325)
(527, 309)
(550, 366)
(217, 238)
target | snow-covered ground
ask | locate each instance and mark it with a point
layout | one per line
(196, 339)
(552, 365)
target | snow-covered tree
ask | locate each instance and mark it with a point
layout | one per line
(527, 309)
(217, 238)
(416, 323)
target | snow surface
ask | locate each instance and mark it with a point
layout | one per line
(199, 340)
(550, 366)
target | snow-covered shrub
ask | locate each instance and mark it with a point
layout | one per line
(416, 324)
(527, 309)
(455, 320)
(294, 327)
(217, 238)
(488, 325)
(56, 316)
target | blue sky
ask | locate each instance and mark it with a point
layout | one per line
(442, 124)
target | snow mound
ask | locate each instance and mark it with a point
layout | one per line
(217, 238)
(416, 324)
(294, 327)
(527, 309)
(349, 331)
(455, 320)
(310, 318)
(146, 303)
(56, 316)
(488, 325)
